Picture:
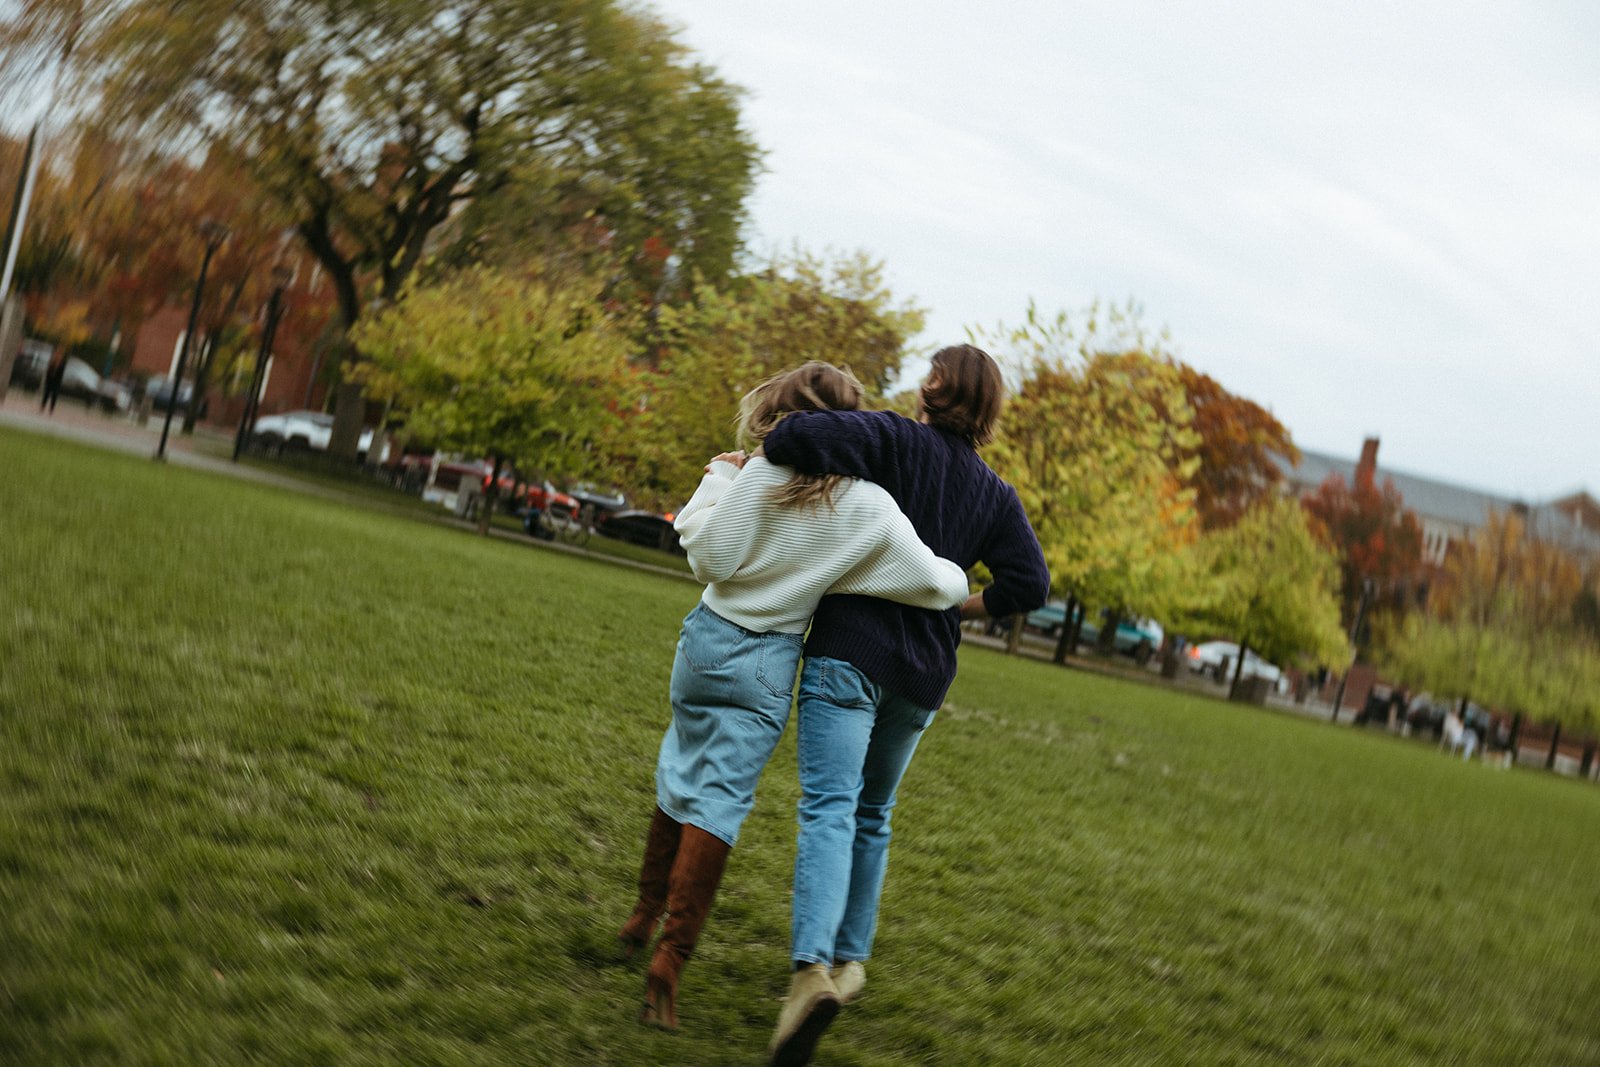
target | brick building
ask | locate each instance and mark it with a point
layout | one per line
(1449, 513)
(289, 377)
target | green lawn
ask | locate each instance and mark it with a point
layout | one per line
(288, 781)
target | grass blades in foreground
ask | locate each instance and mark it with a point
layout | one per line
(287, 781)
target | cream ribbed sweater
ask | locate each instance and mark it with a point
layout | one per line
(767, 566)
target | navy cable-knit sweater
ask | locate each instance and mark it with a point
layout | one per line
(960, 508)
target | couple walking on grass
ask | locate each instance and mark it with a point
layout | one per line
(860, 525)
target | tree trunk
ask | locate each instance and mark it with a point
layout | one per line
(491, 493)
(1065, 636)
(1108, 632)
(349, 413)
(1074, 625)
(1238, 671)
(1014, 634)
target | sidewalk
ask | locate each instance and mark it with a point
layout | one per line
(73, 421)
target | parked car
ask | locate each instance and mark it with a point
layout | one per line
(80, 382)
(604, 503)
(538, 497)
(1135, 637)
(1219, 658)
(115, 395)
(158, 391)
(640, 528)
(304, 431)
(33, 359)
(541, 498)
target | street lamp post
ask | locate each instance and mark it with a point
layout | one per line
(281, 277)
(214, 233)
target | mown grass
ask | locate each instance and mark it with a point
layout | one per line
(292, 782)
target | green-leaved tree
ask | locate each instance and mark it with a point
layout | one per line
(520, 368)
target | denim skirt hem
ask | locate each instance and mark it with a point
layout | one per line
(731, 693)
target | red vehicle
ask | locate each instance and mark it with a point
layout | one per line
(544, 495)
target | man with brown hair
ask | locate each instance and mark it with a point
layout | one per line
(876, 672)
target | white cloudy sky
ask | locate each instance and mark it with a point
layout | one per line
(1372, 218)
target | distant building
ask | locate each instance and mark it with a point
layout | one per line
(1450, 514)
(290, 374)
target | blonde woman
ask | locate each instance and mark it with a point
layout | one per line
(768, 543)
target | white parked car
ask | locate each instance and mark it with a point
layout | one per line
(306, 431)
(1209, 657)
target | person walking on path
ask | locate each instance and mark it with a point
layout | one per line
(770, 544)
(51, 388)
(875, 672)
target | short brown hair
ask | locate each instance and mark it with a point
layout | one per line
(963, 393)
(813, 386)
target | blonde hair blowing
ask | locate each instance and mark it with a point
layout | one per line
(812, 386)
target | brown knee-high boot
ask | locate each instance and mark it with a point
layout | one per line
(696, 873)
(660, 848)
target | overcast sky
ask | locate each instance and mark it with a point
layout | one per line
(1371, 218)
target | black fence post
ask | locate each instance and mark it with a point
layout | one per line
(1555, 741)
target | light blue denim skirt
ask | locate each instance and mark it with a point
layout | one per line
(731, 692)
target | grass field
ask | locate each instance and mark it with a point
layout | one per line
(286, 781)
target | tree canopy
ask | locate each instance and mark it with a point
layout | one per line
(1506, 625)
(1377, 537)
(1240, 446)
(1269, 583)
(526, 368)
(372, 122)
(1094, 441)
(724, 341)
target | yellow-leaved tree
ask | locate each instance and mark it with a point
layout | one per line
(727, 339)
(521, 368)
(1096, 439)
(1506, 626)
(1269, 583)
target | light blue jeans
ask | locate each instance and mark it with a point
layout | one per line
(856, 741)
(731, 692)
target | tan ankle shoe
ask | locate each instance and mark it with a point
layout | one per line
(848, 978)
(812, 1004)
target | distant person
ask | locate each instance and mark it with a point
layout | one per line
(770, 543)
(876, 673)
(51, 390)
(1453, 730)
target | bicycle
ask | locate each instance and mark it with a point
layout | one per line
(568, 528)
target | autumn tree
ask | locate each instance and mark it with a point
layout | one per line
(118, 227)
(522, 368)
(1094, 440)
(1506, 625)
(1240, 446)
(1377, 537)
(726, 340)
(373, 123)
(1268, 582)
